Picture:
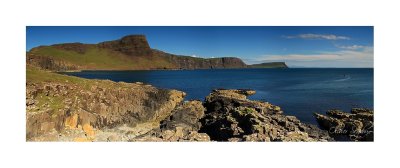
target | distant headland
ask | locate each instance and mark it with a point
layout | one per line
(131, 52)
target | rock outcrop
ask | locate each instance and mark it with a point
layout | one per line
(95, 104)
(182, 125)
(132, 45)
(230, 116)
(358, 125)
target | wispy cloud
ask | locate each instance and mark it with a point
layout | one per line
(318, 36)
(351, 47)
(341, 58)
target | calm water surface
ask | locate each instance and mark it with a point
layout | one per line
(298, 91)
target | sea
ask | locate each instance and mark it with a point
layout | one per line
(298, 91)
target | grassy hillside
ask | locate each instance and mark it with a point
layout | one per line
(99, 58)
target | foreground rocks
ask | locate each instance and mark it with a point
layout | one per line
(64, 108)
(137, 112)
(230, 116)
(358, 125)
(182, 125)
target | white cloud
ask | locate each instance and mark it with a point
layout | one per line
(342, 58)
(318, 36)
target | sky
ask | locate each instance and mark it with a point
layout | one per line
(298, 46)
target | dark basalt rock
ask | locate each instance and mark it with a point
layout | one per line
(182, 125)
(355, 126)
(230, 116)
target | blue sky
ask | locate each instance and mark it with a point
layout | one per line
(309, 46)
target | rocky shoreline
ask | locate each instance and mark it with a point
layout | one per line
(65, 108)
(358, 125)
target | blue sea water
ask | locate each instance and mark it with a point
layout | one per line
(298, 91)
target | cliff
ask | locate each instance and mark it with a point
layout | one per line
(131, 52)
(187, 62)
(269, 65)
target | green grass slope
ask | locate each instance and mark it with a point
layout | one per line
(95, 58)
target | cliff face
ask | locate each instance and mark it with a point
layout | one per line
(187, 62)
(49, 63)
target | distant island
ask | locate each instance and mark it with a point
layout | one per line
(131, 52)
(269, 65)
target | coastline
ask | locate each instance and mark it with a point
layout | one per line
(51, 112)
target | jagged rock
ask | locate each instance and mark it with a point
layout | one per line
(182, 125)
(357, 125)
(230, 116)
(186, 116)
